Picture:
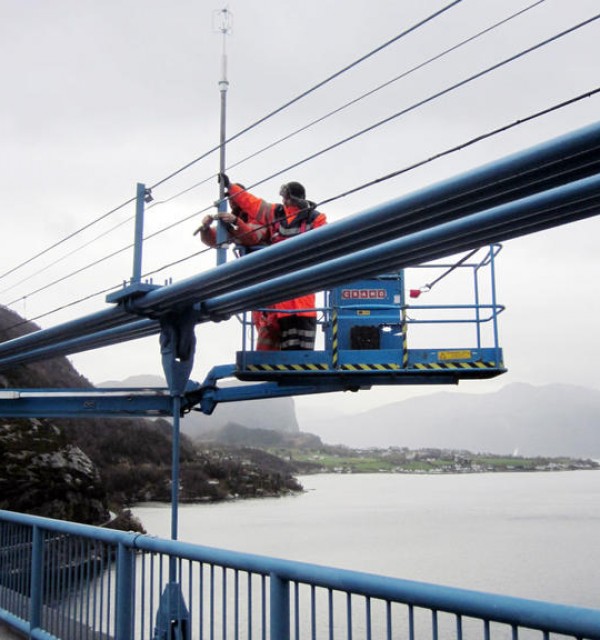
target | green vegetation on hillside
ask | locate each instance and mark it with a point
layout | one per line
(402, 460)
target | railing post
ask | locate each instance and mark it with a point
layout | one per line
(280, 607)
(494, 302)
(125, 584)
(35, 586)
(477, 304)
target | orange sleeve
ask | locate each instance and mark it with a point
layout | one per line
(245, 201)
(208, 236)
(319, 221)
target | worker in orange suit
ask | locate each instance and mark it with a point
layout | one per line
(297, 318)
(250, 232)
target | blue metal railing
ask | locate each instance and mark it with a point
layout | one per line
(65, 580)
(476, 312)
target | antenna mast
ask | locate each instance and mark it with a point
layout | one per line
(223, 23)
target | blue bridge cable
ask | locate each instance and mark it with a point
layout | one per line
(352, 258)
(550, 184)
(328, 200)
(554, 207)
(239, 133)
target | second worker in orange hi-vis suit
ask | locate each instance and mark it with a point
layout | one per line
(297, 318)
(245, 230)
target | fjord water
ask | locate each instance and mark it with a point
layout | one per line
(533, 535)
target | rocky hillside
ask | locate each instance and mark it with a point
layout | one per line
(78, 468)
(41, 472)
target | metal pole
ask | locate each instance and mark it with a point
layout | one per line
(224, 28)
(175, 483)
(141, 195)
(175, 467)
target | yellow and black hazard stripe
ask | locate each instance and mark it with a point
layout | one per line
(362, 366)
(273, 368)
(335, 345)
(404, 339)
(456, 366)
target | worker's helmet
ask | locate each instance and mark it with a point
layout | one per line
(293, 190)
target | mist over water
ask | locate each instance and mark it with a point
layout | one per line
(533, 535)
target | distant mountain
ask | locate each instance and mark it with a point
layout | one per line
(273, 414)
(235, 435)
(142, 381)
(551, 420)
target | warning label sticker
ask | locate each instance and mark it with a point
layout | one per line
(454, 355)
(364, 294)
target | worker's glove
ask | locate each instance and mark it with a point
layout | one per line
(224, 180)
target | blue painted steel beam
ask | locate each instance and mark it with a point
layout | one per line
(40, 345)
(547, 166)
(122, 403)
(534, 213)
(558, 206)
(81, 403)
(557, 162)
(88, 325)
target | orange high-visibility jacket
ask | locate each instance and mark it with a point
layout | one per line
(282, 222)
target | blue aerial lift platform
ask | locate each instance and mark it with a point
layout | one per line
(368, 326)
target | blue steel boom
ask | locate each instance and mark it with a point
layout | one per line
(554, 183)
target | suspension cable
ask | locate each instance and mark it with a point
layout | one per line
(311, 90)
(355, 100)
(240, 133)
(344, 194)
(379, 87)
(86, 244)
(464, 145)
(431, 98)
(380, 123)
(381, 179)
(63, 240)
(66, 255)
(437, 156)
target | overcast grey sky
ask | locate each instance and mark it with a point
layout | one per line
(97, 96)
